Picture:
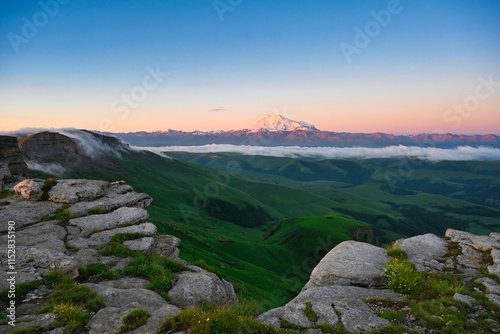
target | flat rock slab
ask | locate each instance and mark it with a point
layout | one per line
(72, 191)
(41, 235)
(101, 238)
(129, 298)
(480, 242)
(25, 213)
(31, 321)
(110, 220)
(348, 300)
(351, 263)
(111, 202)
(142, 244)
(126, 283)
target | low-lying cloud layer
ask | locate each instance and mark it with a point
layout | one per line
(462, 153)
(52, 169)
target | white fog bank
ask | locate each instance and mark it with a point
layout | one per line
(461, 153)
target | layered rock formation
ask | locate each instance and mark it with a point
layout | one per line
(66, 232)
(11, 160)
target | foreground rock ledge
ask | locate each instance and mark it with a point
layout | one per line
(95, 211)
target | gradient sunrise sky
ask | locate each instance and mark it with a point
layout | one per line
(355, 66)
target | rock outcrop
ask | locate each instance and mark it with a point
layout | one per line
(65, 233)
(347, 287)
(11, 156)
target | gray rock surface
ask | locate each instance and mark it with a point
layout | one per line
(424, 250)
(157, 317)
(480, 242)
(121, 216)
(490, 284)
(128, 298)
(30, 190)
(143, 244)
(351, 263)
(45, 320)
(199, 288)
(166, 245)
(101, 238)
(25, 213)
(348, 300)
(108, 320)
(72, 191)
(494, 298)
(126, 283)
(112, 201)
(464, 298)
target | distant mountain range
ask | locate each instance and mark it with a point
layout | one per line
(278, 130)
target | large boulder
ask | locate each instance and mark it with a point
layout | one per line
(424, 250)
(30, 190)
(351, 263)
(200, 288)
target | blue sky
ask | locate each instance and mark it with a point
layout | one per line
(264, 57)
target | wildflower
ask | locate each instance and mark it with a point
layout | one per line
(208, 319)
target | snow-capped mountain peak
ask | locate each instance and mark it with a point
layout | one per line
(277, 123)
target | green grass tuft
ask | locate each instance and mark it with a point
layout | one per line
(97, 211)
(134, 319)
(218, 319)
(403, 277)
(310, 312)
(49, 183)
(6, 193)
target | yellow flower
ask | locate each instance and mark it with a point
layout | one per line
(208, 319)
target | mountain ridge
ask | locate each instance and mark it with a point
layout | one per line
(278, 130)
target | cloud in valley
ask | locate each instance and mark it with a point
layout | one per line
(462, 153)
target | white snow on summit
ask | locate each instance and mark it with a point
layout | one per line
(277, 123)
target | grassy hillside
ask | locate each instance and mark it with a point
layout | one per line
(186, 197)
(263, 223)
